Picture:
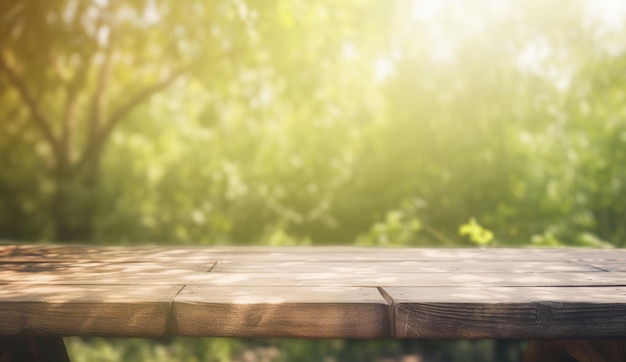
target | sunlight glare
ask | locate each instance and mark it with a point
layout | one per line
(383, 69)
(151, 14)
(442, 53)
(348, 51)
(610, 12)
(449, 23)
(427, 10)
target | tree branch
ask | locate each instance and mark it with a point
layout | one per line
(69, 117)
(58, 68)
(10, 17)
(139, 98)
(39, 118)
(97, 99)
(17, 136)
(438, 235)
(73, 89)
(100, 135)
(120, 113)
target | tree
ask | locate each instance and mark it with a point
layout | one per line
(82, 68)
(70, 65)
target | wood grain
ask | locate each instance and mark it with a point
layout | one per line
(6, 250)
(314, 292)
(134, 253)
(575, 312)
(281, 312)
(157, 276)
(86, 310)
(610, 265)
(111, 254)
(336, 279)
(377, 267)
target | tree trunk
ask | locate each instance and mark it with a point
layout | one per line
(75, 203)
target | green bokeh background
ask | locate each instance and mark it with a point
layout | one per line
(291, 122)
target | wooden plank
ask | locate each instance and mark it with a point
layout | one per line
(417, 254)
(377, 267)
(121, 253)
(380, 253)
(56, 253)
(218, 311)
(101, 273)
(6, 250)
(609, 265)
(105, 266)
(86, 310)
(576, 312)
(320, 279)
(313, 292)
(336, 279)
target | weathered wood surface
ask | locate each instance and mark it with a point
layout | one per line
(312, 292)
(509, 312)
(99, 310)
(276, 311)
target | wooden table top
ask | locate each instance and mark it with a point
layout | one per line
(312, 292)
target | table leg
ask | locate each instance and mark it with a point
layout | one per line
(33, 349)
(581, 350)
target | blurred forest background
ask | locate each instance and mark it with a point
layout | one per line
(293, 122)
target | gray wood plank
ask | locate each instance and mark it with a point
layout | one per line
(104, 267)
(36, 253)
(86, 310)
(281, 312)
(574, 312)
(111, 254)
(98, 273)
(313, 292)
(321, 279)
(338, 279)
(421, 254)
(609, 265)
(376, 267)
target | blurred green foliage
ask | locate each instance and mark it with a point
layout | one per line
(476, 233)
(292, 122)
(288, 122)
(285, 350)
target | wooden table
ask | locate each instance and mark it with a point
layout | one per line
(319, 292)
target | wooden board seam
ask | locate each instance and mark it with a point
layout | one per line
(172, 328)
(600, 269)
(391, 312)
